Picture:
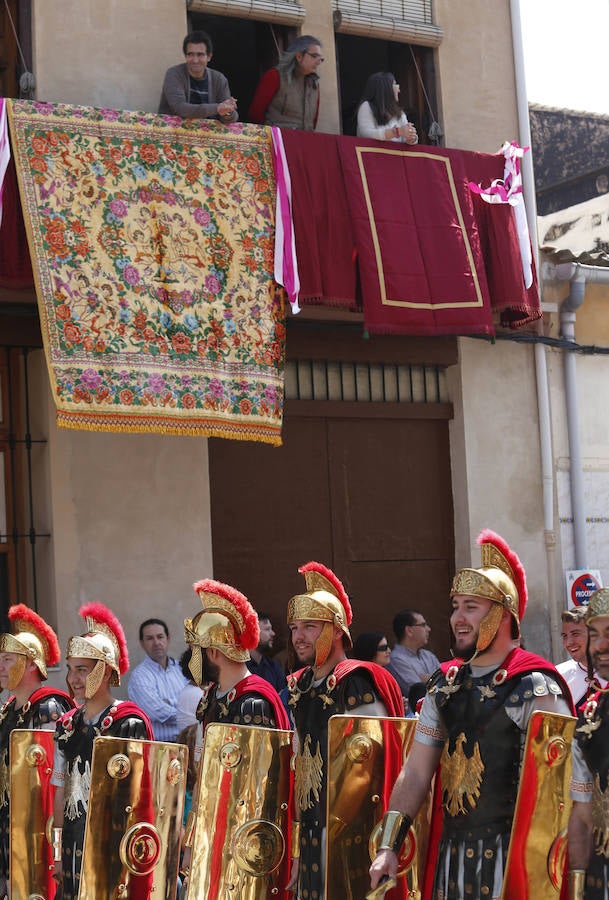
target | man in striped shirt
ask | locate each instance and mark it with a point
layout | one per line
(156, 683)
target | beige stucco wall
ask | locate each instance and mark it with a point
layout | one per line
(110, 53)
(496, 464)
(318, 22)
(475, 74)
(130, 522)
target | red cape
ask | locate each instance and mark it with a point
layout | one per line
(46, 691)
(517, 662)
(386, 684)
(124, 708)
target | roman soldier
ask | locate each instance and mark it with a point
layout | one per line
(473, 722)
(25, 655)
(329, 684)
(589, 822)
(220, 636)
(96, 660)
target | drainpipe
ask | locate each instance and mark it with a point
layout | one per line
(579, 276)
(568, 312)
(541, 367)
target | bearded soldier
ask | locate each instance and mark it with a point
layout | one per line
(589, 822)
(329, 684)
(25, 655)
(96, 660)
(473, 721)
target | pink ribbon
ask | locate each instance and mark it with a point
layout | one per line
(509, 190)
(286, 263)
(5, 149)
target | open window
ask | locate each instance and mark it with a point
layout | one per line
(358, 57)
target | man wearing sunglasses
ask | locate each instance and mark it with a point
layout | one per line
(410, 662)
(288, 95)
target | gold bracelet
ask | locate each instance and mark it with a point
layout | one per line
(394, 829)
(295, 843)
(577, 884)
(57, 844)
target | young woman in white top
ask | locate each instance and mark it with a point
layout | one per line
(379, 114)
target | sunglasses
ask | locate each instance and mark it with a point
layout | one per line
(382, 647)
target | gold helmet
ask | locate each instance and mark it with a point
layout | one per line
(31, 638)
(227, 622)
(104, 641)
(598, 606)
(500, 579)
(326, 601)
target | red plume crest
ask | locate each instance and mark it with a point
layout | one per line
(338, 586)
(100, 613)
(249, 637)
(33, 622)
(520, 579)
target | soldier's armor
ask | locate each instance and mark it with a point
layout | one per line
(75, 739)
(481, 766)
(250, 708)
(592, 735)
(39, 714)
(312, 706)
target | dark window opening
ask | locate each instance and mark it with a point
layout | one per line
(243, 50)
(358, 57)
(20, 460)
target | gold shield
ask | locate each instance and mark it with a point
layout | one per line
(31, 810)
(134, 820)
(365, 756)
(240, 847)
(538, 842)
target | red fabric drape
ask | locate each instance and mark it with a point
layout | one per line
(448, 260)
(325, 244)
(15, 264)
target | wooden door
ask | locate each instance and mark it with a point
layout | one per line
(368, 496)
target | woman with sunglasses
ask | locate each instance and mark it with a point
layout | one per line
(371, 646)
(288, 95)
(379, 114)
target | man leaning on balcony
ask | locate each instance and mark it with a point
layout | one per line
(194, 91)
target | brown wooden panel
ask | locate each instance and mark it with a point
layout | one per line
(270, 509)
(392, 517)
(347, 344)
(369, 497)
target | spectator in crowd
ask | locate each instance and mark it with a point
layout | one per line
(288, 95)
(260, 663)
(588, 856)
(189, 697)
(157, 682)
(410, 661)
(379, 114)
(574, 634)
(194, 91)
(96, 660)
(371, 646)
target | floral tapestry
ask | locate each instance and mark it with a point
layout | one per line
(152, 242)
